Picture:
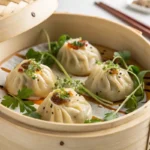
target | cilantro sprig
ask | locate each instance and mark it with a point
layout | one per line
(13, 102)
(44, 57)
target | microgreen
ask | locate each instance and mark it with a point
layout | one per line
(62, 93)
(78, 86)
(98, 62)
(32, 68)
(78, 44)
(110, 65)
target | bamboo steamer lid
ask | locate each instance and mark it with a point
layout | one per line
(18, 16)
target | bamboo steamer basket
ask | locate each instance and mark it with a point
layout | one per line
(18, 16)
(130, 132)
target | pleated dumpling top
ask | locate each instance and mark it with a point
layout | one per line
(65, 106)
(110, 81)
(78, 56)
(33, 75)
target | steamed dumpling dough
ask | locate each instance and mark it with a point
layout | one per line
(33, 75)
(78, 56)
(110, 81)
(65, 106)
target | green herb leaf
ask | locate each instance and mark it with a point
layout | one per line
(110, 116)
(62, 39)
(32, 54)
(134, 69)
(47, 60)
(95, 120)
(15, 101)
(142, 74)
(25, 93)
(9, 101)
(33, 115)
(131, 104)
(55, 46)
(124, 54)
(44, 57)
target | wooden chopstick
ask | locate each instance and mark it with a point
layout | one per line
(136, 24)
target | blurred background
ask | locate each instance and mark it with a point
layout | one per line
(88, 7)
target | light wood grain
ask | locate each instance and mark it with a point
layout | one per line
(4, 2)
(18, 18)
(121, 134)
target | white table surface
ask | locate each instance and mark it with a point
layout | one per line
(87, 7)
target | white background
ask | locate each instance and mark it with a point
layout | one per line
(87, 7)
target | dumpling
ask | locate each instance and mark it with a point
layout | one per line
(65, 106)
(110, 81)
(31, 74)
(78, 56)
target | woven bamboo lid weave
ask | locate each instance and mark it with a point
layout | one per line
(18, 16)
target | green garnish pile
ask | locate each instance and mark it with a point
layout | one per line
(78, 44)
(32, 68)
(62, 93)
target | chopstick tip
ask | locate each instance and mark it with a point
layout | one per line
(96, 3)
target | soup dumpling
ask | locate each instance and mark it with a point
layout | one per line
(78, 56)
(33, 75)
(110, 81)
(65, 106)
